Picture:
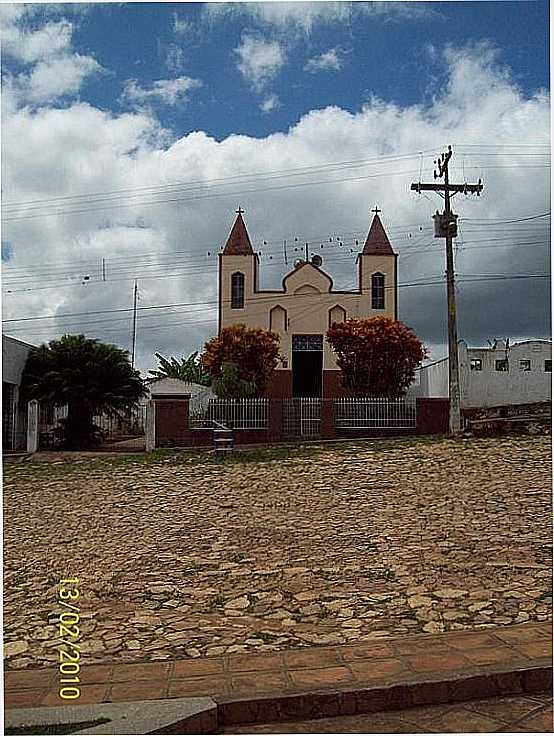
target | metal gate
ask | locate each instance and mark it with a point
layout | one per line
(8, 416)
(302, 418)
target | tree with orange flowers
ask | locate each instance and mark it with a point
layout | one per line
(377, 356)
(254, 351)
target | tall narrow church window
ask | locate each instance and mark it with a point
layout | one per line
(237, 291)
(378, 291)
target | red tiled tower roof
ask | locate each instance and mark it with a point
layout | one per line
(238, 242)
(377, 242)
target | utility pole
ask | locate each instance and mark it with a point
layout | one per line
(135, 294)
(446, 227)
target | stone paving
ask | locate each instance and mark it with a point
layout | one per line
(182, 557)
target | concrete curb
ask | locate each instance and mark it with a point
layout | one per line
(206, 715)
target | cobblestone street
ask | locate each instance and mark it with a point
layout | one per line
(185, 557)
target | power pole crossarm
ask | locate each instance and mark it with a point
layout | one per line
(447, 229)
(452, 188)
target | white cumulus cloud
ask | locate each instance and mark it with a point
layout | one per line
(53, 69)
(29, 46)
(56, 77)
(327, 61)
(168, 91)
(303, 17)
(259, 61)
(270, 103)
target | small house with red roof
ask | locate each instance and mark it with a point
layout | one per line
(307, 303)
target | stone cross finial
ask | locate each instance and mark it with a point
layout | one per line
(376, 210)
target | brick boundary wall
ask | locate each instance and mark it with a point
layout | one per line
(538, 408)
(172, 424)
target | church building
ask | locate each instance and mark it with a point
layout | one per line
(304, 308)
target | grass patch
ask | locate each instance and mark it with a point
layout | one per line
(236, 557)
(79, 466)
(54, 728)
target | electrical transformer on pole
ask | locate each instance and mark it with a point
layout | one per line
(446, 226)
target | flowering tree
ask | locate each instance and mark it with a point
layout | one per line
(377, 356)
(253, 350)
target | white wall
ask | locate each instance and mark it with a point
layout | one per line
(489, 387)
(14, 355)
(199, 395)
(431, 380)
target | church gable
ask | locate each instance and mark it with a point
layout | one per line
(307, 279)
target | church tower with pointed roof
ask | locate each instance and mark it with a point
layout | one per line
(377, 270)
(238, 272)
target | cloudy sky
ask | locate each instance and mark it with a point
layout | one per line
(131, 133)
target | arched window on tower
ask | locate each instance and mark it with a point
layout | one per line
(378, 291)
(237, 291)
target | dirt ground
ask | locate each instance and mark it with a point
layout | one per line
(184, 556)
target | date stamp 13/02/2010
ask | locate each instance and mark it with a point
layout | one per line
(69, 633)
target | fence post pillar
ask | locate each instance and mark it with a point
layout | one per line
(171, 420)
(32, 426)
(275, 428)
(150, 428)
(328, 427)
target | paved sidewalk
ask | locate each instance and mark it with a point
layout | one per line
(403, 661)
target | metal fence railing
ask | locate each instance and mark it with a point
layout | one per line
(375, 413)
(302, 417)
(232, 413)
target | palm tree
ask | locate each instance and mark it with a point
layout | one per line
(185, 369)
(88, 376)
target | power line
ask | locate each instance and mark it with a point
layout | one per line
(270, 296)
(195, 270)
(234, 194)
(402, 229)
(520, 219)
(315, 241)
(296, 171)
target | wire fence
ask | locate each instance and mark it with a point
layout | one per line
(375, 413)
(232, 413)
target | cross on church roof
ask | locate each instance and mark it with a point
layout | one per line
(377, 242)
(240, 211)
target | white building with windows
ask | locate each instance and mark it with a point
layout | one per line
(497, 375)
